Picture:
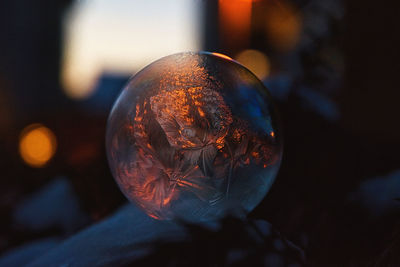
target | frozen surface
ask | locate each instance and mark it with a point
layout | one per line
(27, 253)
(55, 205)
(130, 235)
(111, 242)
(379, 195)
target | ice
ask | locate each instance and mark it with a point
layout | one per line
(192, 136)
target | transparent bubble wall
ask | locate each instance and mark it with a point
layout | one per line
(192, 136)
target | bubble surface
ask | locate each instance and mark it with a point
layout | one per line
(193, 136)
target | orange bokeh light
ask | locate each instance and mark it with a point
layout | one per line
(283, 25)
(235, 21)
(256, 61)
(37, 145)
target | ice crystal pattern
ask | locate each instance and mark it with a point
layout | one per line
(192, 136)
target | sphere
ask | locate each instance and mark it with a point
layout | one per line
(192, 137)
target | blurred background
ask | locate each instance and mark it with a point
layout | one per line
(330, 65)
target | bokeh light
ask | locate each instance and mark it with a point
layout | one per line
(283, 25)
(256, 61)
(37, 145)
(235, 22)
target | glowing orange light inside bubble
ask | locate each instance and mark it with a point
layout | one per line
(37, 145)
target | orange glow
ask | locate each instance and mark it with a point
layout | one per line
(256, 61)
(185, 137)
(236, 135)
(153, 216)
(220, 142)
(221, 55)
(189, 184)
(234, 21)
(179, 109)
(283, 25)
(201, 113)
(272, 134)
(37, 145)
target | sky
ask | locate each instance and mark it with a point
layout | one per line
(122, 36)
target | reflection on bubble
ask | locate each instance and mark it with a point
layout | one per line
(193, 135)
(221, 55)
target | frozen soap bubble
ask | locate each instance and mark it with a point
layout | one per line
(193, 136)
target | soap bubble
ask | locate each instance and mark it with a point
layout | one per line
(194, 136)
